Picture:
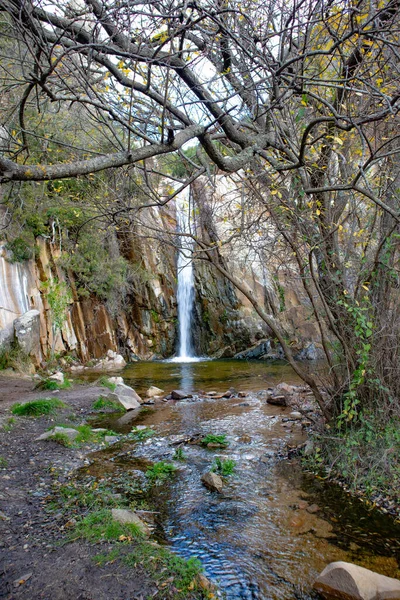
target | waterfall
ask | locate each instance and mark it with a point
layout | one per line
(185, 293)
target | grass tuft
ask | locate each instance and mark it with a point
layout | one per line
(99, 525)
(104, 381)
(35, 408)
(103, 403)
(179, 454)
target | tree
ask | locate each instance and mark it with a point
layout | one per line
(301, 101)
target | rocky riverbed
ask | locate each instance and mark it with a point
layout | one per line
(266, 534)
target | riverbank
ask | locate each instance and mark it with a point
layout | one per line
(56, 502)
(40, 555)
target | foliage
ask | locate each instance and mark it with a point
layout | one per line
(363, 454)
(51, 384)
(104, 381)
(140, 435)
(97, 270)
(223, 467)
(36, 408)
(19, 249)
(104, 403)
(13, 357)
(8, 425)
(100, 526)
(3, 462)
(164, 565)
(219, 440)
(160, 471)
(179, 454)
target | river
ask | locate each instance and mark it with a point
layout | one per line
(274, 528)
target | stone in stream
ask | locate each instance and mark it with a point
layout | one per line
(277, 400)
(180, 395)
(127, 517)
(70, 433)
(212, 481)
(154, 391)
(126, 396)
(350, 582)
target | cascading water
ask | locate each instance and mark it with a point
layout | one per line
(185, 293)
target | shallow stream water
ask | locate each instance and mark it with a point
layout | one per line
(257, 539)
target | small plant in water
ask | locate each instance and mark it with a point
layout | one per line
(139, 435)
(104, 403)
(179, 454)
(223, 467)
(160, 471)
(219, 440)
(35, 408)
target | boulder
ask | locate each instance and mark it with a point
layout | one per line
(116, 380)
(112, 362)
(126, 396)
(70, 433)
(212, 481)
(57, 377)
(180, 395)
(128, 517)
(111, 439)
(154, 391)
(277, 400)
(350, 582)
(285, 389)
(27, 334)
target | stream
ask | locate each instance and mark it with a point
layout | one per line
(274, 528)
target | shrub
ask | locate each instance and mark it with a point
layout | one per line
(35, 408)
(50, 384)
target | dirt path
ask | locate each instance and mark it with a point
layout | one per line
(35, 559)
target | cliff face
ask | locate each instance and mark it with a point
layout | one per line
(145, 324)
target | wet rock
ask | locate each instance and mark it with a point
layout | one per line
(127, 418)
(347, 582)
(127, 517)
(244, 439)
(212, 394)
(277, 400)
(227, 394)
(126, 396)
(242, 394)
(180, 395)
(154, 391)
(70, 433)
(244, 404)
(212, 481)
(57, 377)
(111, 439)
(314, 508)
(296, 415)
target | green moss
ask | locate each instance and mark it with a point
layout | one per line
(35, 408)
